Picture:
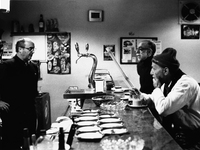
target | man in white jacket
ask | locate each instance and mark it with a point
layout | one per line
(176, 99)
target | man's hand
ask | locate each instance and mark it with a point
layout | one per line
(156, 83)
(4, 105)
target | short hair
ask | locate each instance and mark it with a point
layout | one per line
(21, 43)
(151, 45)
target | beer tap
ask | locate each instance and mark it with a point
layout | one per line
(94, 66)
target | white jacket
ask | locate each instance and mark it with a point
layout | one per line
(183, 102)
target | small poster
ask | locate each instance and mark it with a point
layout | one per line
(106, 50)
(190, 31)
(59, 53)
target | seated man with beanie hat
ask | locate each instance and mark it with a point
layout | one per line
(176, 98)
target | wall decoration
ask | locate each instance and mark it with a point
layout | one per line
(158, 47)
(59, 53)
(128, 47)
(95, 15)
(189, 31)
(106, 49)
(7, 50)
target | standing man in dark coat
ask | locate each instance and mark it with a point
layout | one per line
(145, 52)
(18, 88)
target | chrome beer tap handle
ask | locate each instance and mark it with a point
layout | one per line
(87, 47)
(93, 69)
(77, 48)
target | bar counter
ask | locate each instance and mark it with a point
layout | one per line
(140, 123)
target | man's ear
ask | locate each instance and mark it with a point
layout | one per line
(20, 49)
(149, 53)
(166, 71)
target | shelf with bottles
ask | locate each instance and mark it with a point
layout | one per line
(44, 27)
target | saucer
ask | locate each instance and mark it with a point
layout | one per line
(137, 106)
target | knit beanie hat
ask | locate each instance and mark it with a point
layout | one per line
(167, 59)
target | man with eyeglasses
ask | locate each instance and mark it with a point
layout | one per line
(145, 52)
(18, 88)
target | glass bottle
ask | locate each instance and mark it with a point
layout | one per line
(71, 134)
(61, 139)
(26, 139)
(33, 139)
(41, 23)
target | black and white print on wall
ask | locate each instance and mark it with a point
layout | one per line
(106, 50)
(59, 53)
(189, 31)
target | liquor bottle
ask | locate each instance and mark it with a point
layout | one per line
(26, 139)
(71, 134)
(33, 140)
(61, 139)
(41, 24)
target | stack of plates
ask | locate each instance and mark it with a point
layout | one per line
(93, 126)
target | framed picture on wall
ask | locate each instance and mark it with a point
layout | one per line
(189, 31)
(128, 47)
(95, 15)
(106, 49)
(59, 53)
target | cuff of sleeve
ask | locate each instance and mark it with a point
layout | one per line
(156, 94)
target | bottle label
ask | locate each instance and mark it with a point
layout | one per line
(41, 24)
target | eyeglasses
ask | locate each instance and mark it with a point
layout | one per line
(31, 49)
(140, 49)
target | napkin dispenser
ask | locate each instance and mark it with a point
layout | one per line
(105, 75)
(100, 85)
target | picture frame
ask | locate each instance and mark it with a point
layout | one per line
(189, 31)
(95, 15)
(128, 47)
(106, 55)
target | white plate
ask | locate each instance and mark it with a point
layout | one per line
(137, 106)
(124, 98)
(90, 136)
(111, 125)
(118, 90)
(115, 131)
(111, 120)
(86, 118)
(90, 111)
(88, 129)
(87, 123)
(107, 116)
(89, 114)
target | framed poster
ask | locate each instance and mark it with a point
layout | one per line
(189, 31)
(106, 48)
(59, 53)
(95, 15)
(128, 47)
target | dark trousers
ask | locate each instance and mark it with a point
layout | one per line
(187, 139)
(12, 129)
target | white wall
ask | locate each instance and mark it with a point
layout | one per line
(145, 18)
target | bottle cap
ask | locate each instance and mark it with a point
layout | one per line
(26, 132)
(42, 132)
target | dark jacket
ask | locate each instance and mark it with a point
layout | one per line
(18, 87)
(146, 81)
